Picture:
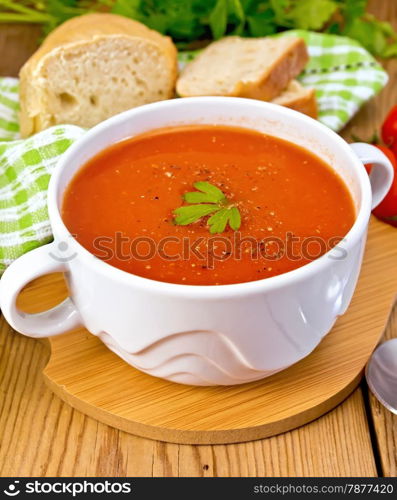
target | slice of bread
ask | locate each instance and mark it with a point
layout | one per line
(93, 67)
(297, 97)
(259, 68)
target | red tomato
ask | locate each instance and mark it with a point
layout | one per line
(387, 209)
(389, 128)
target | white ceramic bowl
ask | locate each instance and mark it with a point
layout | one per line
(202, 335)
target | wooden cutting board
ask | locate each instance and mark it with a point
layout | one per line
(84, 373)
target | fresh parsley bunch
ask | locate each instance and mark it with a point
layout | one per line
(187, 21)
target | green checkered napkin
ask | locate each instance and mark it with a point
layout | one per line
(25, 170)
(344, 75)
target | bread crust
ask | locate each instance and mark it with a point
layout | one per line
(88, 26)
(270, 83)
(71, 34)
(298, 98)
(280, 74)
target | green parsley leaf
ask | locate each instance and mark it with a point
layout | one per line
(353, 9)
(197, 21)
(309, 15)
(234, 218)
(390, 51)
(211, 190)
(370, 35)
(218, 19)
(208, 200)
(280, 7)
(191, 213)
(262, 24)
(198, 197)
(236, 16)
(218, 221)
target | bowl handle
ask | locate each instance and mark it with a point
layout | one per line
(31, 265)
(382, 173)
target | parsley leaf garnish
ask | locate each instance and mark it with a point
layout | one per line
(192, 213)
(207, 200)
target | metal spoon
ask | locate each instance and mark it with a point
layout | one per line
(381, 374)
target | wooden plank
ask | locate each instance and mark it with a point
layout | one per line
(365, 124)
(17, 43)
(385, 422)
(42, 436)
(83, 372)
(334, 445)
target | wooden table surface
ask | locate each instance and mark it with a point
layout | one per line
(42, 436)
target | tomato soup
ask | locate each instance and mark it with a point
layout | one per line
(291, 206)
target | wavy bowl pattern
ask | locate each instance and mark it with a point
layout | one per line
(169, 358)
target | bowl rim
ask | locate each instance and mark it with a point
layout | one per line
(210, 291)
